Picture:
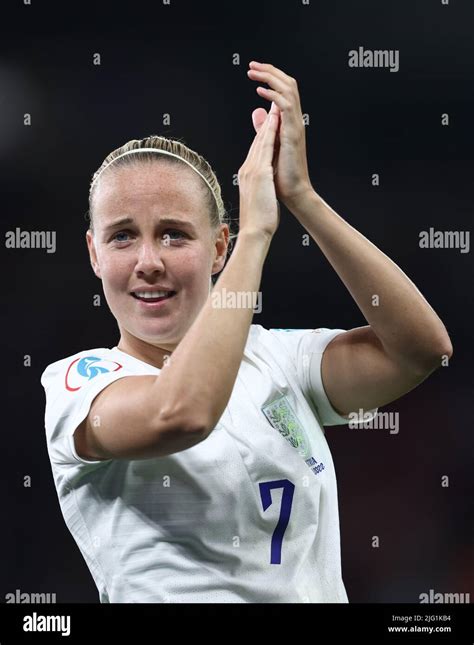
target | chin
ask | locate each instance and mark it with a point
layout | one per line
(155, 337)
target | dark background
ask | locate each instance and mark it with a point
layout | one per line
(177, 59)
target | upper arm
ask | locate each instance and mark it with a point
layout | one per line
(121, 424)
(357, 373)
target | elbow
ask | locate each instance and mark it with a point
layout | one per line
(448, 350)
(196, 427)
(438, 357)
(444, 351)
(185, 422)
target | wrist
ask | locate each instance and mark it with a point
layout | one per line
(258, 237)
(296, 199)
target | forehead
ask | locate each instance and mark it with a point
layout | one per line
(150, 185)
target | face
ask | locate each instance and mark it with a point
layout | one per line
(150, 252)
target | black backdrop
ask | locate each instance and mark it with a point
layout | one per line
(178, 59)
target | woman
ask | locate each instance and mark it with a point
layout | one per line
(190, 459)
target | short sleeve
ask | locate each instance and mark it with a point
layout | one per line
(306, 347)
(71, 385)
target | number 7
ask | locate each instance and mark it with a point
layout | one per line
(285, 510)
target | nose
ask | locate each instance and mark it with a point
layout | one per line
(149, 257)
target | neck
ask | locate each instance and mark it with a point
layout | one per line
(152, 354)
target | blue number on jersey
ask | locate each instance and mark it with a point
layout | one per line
(285, 510)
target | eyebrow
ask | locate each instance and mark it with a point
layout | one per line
(169, 221)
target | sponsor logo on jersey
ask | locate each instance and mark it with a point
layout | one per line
(84, 369)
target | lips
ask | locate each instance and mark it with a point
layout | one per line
(152, 300)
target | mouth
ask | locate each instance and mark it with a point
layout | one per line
(153, 297)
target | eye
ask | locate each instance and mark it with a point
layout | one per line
(170, 233)
(114, 237)
(173, 230)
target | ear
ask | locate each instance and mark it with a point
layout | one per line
(92, 253)
(220, 248)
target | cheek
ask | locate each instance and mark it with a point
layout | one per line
(188, 265)
(191, 259)
(192, 262)
(116, 268)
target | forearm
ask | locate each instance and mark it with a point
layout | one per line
(404, 322)
(201, 373)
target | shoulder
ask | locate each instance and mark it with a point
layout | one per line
(82, 366)
(275, 346)
(293, 340)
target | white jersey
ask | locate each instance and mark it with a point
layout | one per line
(250, 514)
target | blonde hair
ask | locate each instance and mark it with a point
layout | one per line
(217, 211)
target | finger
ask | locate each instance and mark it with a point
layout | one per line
(267, 144)
(287, 87)
(266, 67)
(257, 138)
(274, 108)
(282, 103)
(267, 77)
(258, 118)
(260, 114)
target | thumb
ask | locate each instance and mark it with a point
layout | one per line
(258, 117)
